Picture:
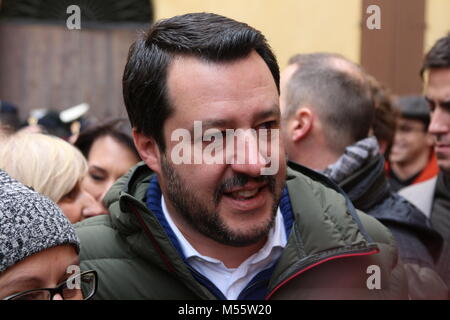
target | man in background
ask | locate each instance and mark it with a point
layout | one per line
(435, 197)
(412, 158)
(327, 111)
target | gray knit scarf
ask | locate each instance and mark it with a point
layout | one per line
(353, 158)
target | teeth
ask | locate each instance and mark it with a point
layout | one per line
(246, 193)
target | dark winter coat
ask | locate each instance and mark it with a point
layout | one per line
(331, 251)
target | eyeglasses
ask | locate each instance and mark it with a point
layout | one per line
(81, 286)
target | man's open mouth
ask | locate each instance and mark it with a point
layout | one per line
(244, 194)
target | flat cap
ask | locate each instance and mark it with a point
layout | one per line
(414, 107)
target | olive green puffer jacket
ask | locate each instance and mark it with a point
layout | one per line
(333, 251)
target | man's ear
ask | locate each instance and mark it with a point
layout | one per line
(302, 123)
(148, 150)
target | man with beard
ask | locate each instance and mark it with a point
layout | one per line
(216, 227)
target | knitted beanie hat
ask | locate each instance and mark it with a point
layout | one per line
(29, 223)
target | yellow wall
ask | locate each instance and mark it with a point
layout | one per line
(437, 17)
(302, 26)
(291, 26)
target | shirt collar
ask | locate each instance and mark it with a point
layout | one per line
(276, 239)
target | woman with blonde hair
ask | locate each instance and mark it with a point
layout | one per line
(52, 167)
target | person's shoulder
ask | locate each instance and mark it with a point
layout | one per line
(421, 195)
(134, 182)
(398, 213)
(376, 230)
(100, 239)
(101, 223)
(388, 258)
(395, 208)
(314, 193)
(311, 187)
(318, 203)
(106, 250)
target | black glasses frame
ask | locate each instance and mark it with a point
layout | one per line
(60, 287)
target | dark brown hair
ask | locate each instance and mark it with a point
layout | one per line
(118, 129)
(204, 35)
(438, 56)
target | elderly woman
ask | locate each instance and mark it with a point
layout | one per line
(38, 248)
(52, 167)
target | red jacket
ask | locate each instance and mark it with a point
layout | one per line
(430, 171)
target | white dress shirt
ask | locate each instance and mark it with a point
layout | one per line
(232, 281)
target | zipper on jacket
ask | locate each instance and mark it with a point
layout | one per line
(208, 283)
(166, 260)
(247, 289)
(330, 258)
(152, 239)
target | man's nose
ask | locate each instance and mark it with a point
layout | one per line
(248, 157)
(439, 122)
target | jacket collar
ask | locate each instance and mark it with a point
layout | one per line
(325, 224)
(369, 190)
(367, 186)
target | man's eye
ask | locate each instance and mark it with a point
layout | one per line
(431, 104)
(268, 125)
(211, 137)
(446, 105)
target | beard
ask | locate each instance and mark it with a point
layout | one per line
(205, 218)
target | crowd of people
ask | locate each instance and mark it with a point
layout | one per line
(362, 180)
